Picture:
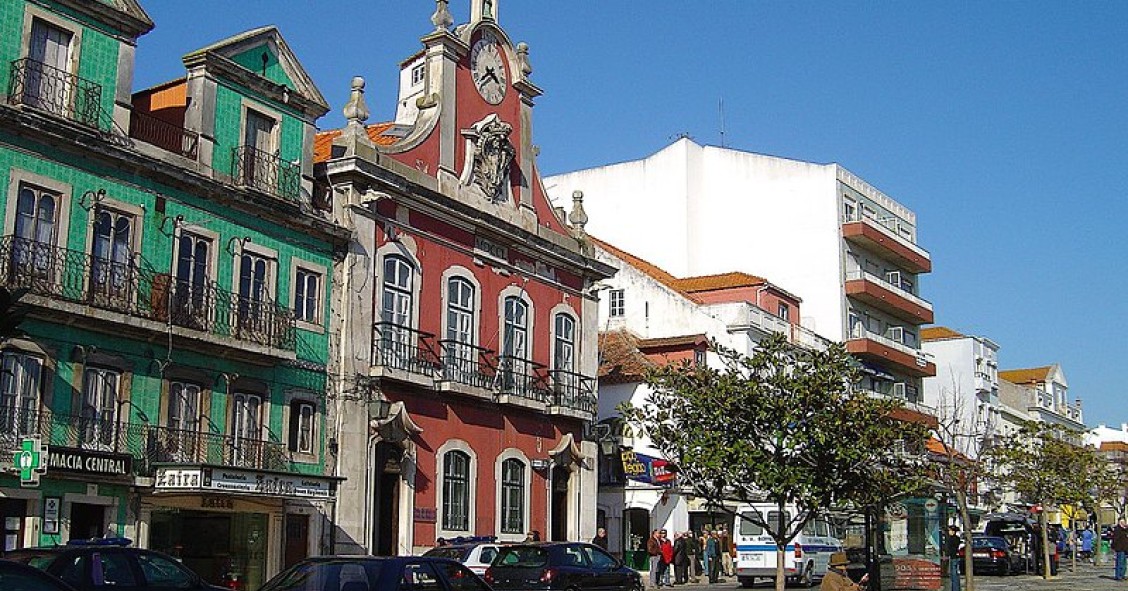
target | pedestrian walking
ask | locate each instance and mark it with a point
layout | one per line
(836, 578)
(1120, 546)
(1087, 537)
(952, 551)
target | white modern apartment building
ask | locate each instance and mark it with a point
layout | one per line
(846, 248)
(965, 389)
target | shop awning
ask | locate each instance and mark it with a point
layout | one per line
(211, 479)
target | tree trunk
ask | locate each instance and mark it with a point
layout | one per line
(1045, 542)
(780, 580)
(965, 523)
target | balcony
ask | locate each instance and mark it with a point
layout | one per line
(572, 395)
(266, 172)
(404, 354)
(162, 134)
(873, 346)
(874, 235)
(467, 369)
(58, 92)
(521, 382)
(95, 285)
(146, 444)
(888, 297)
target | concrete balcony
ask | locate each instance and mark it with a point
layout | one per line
(873, 235)
(888, 297)
(873, 346)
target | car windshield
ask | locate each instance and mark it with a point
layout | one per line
(40, 560)
(522, 556)
(447, 552)
(334, 575)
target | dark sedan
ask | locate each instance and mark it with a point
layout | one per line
(111, 564)
(991, 554)
(552, 566)
(21, 577)
(371, 573)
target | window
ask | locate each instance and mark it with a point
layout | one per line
(162, 572)
(111, 267)
(849, 212)
(564, 348)
(246, 428)
(36, 217)
(47, 82)
(191, 293)
(99, 406)
(396, 309)
(617, 305)
(417, 74)
(307, 296)
(512, 496)
(460, 356)
(600, 560)
(784, 311)
(254, 291)
(515, 339)
(258, 139)
(19, 392)
(301, 426)
(183, 421)
(456, 491)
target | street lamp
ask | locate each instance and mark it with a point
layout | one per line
(379, 409)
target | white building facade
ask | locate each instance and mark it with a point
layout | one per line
(846, 248)
(965, 389)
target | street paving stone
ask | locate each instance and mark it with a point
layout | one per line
(1086, 578)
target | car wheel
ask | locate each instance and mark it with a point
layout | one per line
(746, 582)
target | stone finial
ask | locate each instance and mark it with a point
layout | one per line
(578, 217)
(523, 59)
(356, 111)
(442, 18)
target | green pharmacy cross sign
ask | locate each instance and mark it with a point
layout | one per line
(31, 461)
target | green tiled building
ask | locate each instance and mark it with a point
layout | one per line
(177, 263)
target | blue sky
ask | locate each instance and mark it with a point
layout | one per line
(1003, 125)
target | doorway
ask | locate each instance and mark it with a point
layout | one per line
(636, 530)
(560, 477)
(12, 512)
(87, 521)
(297, 539)
(385, 499)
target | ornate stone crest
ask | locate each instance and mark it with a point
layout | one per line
(489, 155)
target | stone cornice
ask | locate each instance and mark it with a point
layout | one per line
(133, 25)
(218, 65)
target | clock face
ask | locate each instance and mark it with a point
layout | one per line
(487, 68)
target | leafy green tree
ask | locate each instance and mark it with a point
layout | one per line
(1046, 464)
(785, 426)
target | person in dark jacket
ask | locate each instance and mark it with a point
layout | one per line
(952, 543)
(693, 549)
(1120, 546)
(600, 538)
(681, 559)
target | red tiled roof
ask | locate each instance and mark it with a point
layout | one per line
(720, 281)
(1026, 376)
(938, 333)
(689, 340)
(323, 142)
(654, 271)
(620, 359)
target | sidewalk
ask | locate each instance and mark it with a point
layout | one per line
(1087, 578)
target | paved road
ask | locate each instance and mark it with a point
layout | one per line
(1087, 578)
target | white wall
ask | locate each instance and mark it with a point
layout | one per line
(952, 391)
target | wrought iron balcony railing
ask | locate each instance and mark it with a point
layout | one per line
(404, 348)
(266, 172)
(522, 378)
(165, 135)
(467, 364)
(137, 290)
(37, 85)
(146, 444)
(573, 391)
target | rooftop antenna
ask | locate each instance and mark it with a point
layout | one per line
(723, 122)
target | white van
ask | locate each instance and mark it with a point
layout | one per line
(805, 558)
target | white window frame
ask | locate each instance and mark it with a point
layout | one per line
(96, 376)
(616, 303)
(304, 398)
(26, 396)
(17, 179)
(440, 488)
(297, 266)
(513, 454)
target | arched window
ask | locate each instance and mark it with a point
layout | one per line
(512, 496)
(461, 360)
(564, 348)
(515, 341)
(456, 491)
(394, 334)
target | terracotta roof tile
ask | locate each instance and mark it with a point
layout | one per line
(654, 271)
(620, 359)
(938, 333)
(1026, 376)
(1114, 446)
(719, 281)
(323, 142)
(689, 340)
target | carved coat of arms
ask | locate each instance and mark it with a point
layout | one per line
(489, 155)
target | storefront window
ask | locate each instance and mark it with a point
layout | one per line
(224, 548)
(910, 533)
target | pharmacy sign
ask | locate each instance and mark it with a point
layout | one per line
(31, 461)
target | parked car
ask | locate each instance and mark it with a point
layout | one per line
(992, 555)
(477, 554)
(551, 566)
(373, 573)
(98, 565)
(15, 576)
